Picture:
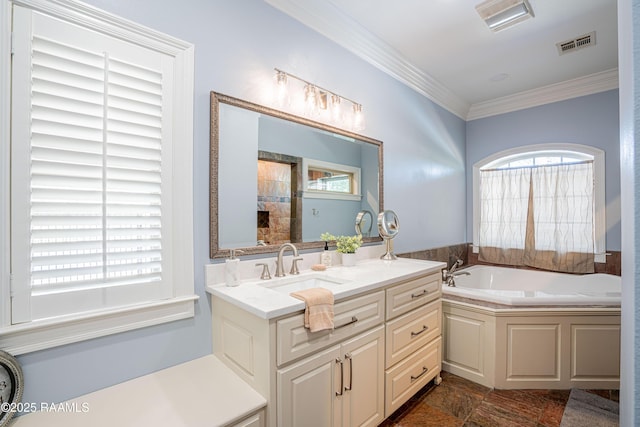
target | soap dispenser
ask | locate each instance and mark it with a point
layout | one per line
(231, 268)
(325, 257)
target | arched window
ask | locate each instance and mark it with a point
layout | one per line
(542, 206)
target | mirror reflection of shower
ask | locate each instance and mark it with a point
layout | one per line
(388, 227)
(364, 223)
(276, 204)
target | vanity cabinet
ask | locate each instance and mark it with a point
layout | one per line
(384, 347)
(340, 386)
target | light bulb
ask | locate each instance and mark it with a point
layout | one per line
(310, 100)
(282, 89)
(336, 109)
(358, 117)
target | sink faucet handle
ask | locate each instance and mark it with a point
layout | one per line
(294, 265)
(265, 271)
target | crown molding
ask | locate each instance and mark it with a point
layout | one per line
(326, 19)
(581, 86)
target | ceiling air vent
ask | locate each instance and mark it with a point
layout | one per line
(577, 43)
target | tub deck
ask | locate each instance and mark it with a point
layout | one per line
(516, 287)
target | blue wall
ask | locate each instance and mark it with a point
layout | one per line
(590, 120)
(237, 45)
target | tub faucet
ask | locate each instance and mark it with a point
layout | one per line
(280, 265)
(455, 266)
(448, 276)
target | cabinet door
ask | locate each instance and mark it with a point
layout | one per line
(307, 391)
(363, 398)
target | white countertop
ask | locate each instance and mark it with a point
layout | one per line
(202, 392)
(259, 298)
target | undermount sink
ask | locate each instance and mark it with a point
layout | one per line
(293, 284)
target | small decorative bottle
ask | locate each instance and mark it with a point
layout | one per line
(325, 256)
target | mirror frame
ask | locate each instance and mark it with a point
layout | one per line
(214, 142)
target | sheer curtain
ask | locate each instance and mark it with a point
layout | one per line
(540, 216)
(504, 198)
(562, 232)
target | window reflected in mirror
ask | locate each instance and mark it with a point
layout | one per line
(329, 181)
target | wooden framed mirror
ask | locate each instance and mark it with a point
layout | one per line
(276, 177)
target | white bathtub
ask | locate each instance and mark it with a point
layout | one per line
(517, 329)
(517, 287)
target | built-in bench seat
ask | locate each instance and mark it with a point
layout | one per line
(199, 393)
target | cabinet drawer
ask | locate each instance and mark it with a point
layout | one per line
(407, 377)
(414, 293)
(294, 340)
(254, 420)
(411, 331)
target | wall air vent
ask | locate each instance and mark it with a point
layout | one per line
(577, 43)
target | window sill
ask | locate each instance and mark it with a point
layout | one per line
(43, 334)
(329, 195)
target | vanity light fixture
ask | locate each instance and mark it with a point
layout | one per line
(501, 14)
(317, 102)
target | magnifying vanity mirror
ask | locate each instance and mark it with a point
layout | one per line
(388, 227)
(364, 222)
(276, 178)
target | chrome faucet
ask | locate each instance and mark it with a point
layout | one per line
(455, 266)
(448, 276)
(280, 265)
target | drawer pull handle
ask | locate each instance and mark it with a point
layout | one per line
(424, 371)
(339, 393)
(348, 357)
(354, 319)
(415, 334)
(421, 294)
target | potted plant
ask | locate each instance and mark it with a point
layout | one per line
(346, 246)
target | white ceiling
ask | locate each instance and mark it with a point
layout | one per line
(443, 49)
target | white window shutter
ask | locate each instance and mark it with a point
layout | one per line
(89, 210)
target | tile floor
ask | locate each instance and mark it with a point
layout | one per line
(461, 403)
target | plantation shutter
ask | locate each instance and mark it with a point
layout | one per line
(89, 153)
